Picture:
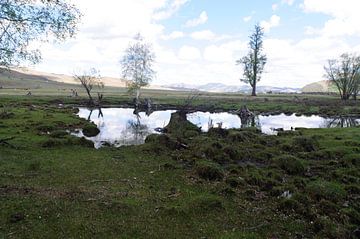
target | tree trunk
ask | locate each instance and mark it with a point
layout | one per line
(90, 97)
(254, 89)
(137, 103)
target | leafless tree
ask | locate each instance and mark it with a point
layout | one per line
(344, 73)
(89, 80)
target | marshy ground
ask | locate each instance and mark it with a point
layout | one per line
(183, 184)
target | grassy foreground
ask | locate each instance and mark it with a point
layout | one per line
(224, 184)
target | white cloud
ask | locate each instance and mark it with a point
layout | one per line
(345, 16)
(203, 35)
(273, 22)
(247, 18)
(170, 10)
(174, 35)
(274, 7)
(106, 32)
(227, 52)
(189, 53)
(288, 2)
(296, 63)
(202, 19)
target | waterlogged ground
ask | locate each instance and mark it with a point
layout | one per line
(122, 126)
(234, 183)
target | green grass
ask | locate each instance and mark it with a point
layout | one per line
(54, 185)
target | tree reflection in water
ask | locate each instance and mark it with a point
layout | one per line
(341, 122)
(100, 114)
(250, 121)
(136, 132)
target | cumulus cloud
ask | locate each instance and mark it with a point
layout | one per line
(106, 32)
(274, 7)
(174, 35)
(288, 2)
(247, 18)
(273, 22)
(203, 35)
(345, 16)
(169, 10)
(202, 19)
(189, 53)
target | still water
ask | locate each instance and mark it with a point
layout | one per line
(120, 126)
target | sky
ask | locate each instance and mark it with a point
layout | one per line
(199, 41)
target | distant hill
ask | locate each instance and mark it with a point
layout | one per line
(31, 79)
(219, 87)
(319, 87)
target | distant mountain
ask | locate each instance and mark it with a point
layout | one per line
(319, 87)
(219, 87)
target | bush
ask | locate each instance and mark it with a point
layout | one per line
(307, 144)
(51, 143)
(90, 130)
(234, 181)
(209, 171)
(58, 134)
(288, 205)
(290, 164)
(218, 132)
(83, 142)
(45, 128)
(242, 136)
(163, 140)
(352, 159)
(206, 203)
(321, 189)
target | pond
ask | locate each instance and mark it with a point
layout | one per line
(120, 126)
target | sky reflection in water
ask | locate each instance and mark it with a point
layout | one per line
(120, 126)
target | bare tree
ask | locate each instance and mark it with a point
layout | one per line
(254, 62)
(90, 79)
(344, 73)
(137, 65)
(25, 21)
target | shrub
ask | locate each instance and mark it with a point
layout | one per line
(45, 128)
(218, 132)
(352, 159)
(292, 165)
(163, 140)
(58, 134)
(205, 203)
(209, 171)
(321, 189)
(51, 143)
(90, 130)
(288, 205)
(83, 142)
(307, 144)
(235, 181)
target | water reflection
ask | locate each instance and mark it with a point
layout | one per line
(125, 126)
(342, 122)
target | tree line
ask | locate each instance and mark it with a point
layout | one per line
(24, 21)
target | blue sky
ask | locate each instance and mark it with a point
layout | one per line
(198, 41)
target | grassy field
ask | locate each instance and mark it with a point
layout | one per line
(185, 184)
